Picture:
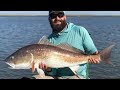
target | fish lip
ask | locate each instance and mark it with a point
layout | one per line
(12, 66)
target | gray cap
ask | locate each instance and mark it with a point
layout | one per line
(56, 12)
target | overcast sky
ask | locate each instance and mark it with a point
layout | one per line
(67, 12)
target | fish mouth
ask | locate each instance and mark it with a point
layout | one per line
(11, 66)
(18, 66)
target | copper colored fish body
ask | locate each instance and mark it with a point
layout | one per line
(53, 56)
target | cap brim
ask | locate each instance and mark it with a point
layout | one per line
(55, 12)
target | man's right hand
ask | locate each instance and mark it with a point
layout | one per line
(44, 67)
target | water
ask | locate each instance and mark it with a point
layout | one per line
(16, 32)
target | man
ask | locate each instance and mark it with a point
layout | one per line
(76, 36)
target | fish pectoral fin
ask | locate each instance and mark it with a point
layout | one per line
(33, 66)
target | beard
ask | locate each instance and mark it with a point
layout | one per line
(58, 27)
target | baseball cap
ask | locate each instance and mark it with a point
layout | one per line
(56, 12)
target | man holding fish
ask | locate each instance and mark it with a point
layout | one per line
(76, 36)
(65, 54)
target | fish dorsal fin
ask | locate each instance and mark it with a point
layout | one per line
(70, 48)
(44, 40)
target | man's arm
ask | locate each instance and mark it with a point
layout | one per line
(89, 46)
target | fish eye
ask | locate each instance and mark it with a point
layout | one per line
(12, 57)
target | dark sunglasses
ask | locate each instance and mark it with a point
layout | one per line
(60, 15)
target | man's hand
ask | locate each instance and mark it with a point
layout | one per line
(93, 60)
(44, 67)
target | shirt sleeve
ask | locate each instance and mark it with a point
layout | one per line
(88, 43)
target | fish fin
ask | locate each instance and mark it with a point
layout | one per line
(41, 73)
(108, 61)
(70, 48)
(74, 70)
(44, 40)
(105, 54)
(33, 66)
(32, 62)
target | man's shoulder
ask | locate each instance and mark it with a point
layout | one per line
(75, 26)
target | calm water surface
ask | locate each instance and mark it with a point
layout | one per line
(16, 32)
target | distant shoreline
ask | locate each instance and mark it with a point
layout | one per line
(67, 15)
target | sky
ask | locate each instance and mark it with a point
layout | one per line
(67, 12)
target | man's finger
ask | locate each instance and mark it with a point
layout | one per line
(46, 67)
(41, 65)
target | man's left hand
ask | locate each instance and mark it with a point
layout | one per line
(93, 60)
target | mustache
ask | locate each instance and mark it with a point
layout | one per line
(57, 21)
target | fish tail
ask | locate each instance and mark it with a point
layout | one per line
(105, 54)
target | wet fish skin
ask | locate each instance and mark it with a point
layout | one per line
(52, 56)
(59, 56)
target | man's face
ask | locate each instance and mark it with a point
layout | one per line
(57, 21)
